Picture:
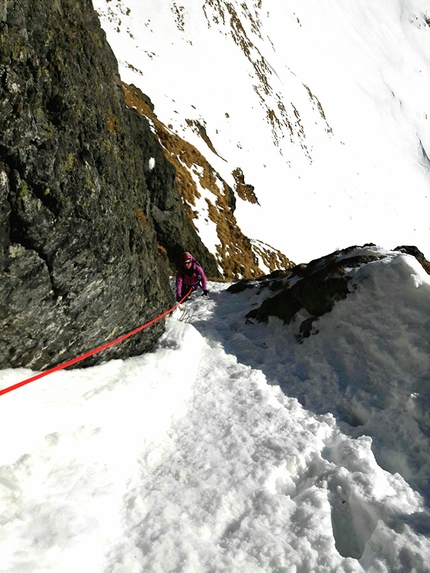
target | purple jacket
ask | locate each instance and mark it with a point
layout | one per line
(189, 278)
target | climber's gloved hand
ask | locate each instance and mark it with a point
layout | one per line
(205, 293)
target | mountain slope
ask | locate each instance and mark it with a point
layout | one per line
(323, 108)
(209, 203)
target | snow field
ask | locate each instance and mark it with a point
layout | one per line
(230, 447)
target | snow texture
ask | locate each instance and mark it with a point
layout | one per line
(231, 447)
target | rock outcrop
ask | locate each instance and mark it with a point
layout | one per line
(85, 194)
(314, 288)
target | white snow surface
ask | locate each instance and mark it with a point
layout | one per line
(352, 76)
(231, 447)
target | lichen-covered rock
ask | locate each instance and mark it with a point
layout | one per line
(80, 261)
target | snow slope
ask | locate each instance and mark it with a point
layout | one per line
(323, 106)
(201, 457)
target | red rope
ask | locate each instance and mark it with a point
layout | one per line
(91, 352)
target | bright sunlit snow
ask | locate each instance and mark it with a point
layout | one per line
(323, 105)
(231, 447)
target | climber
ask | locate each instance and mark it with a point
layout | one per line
(190, 275)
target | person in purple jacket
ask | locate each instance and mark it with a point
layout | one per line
(190, 275)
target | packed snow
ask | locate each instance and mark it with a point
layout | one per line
(231, 447)
(323, 105)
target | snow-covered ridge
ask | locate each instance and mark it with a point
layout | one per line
(371, 326)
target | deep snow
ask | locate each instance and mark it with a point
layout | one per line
(200, 456)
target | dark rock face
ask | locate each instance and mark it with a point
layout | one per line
(80, 262)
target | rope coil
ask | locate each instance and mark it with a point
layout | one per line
(92, 352)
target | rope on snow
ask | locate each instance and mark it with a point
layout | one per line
(91, 352)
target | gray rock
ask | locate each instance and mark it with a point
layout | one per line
(81, 216)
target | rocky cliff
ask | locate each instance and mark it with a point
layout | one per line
(86, 194)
